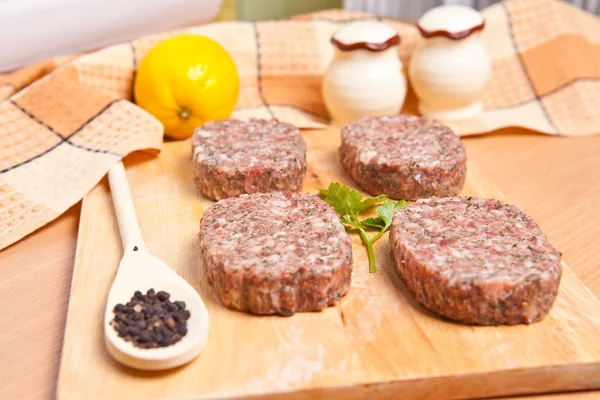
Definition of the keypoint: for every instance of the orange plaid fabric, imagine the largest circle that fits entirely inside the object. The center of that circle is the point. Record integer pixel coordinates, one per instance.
(65, 122)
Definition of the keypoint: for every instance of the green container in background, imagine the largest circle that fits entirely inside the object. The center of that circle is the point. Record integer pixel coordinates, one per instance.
(254, 10)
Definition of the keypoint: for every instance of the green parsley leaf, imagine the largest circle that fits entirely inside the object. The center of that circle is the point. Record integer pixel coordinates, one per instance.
(376, 223)
(368, 203)
(343, 200)
(346, 201)
(386, 211)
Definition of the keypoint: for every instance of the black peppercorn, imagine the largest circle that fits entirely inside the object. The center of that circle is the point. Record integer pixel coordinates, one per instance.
(119, 308)
(162, 296)
(180, 304)
(145, 337)
(151, 320)
(134, 331)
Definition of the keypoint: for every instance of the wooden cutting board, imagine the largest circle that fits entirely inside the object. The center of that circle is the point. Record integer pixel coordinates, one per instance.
(377, 343)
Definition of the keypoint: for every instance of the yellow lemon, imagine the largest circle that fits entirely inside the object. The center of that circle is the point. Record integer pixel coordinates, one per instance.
(186, 81)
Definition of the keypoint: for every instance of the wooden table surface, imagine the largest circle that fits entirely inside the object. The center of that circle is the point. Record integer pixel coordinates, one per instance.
(555, 180)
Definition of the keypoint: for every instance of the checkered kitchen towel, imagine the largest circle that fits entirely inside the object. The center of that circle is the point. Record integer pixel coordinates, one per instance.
(65, 122)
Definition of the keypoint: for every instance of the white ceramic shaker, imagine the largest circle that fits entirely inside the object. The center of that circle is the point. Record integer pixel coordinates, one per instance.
(366, 77)
(451, 67)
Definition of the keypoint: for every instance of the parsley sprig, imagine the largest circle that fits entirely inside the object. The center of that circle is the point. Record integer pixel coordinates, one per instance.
(348, 203)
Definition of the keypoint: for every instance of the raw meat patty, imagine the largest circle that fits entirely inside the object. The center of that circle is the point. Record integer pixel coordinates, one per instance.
(477, 261)
(276, 253)
(236, 156)
(405, 157)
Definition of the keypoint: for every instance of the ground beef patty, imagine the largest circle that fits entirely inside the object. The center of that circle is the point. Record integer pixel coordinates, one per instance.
(236, 156)
(405, 157)
(276, 253)
(477, 261)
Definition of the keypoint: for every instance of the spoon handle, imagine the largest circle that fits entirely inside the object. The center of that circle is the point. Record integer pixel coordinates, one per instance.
(131, 235)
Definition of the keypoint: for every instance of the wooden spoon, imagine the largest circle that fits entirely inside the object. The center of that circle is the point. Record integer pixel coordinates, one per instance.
(140, 270)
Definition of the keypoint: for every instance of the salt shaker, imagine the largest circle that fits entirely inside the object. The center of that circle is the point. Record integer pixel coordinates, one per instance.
(366, 77)
(451, 67)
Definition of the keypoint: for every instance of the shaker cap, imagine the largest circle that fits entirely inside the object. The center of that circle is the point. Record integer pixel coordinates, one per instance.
(368, 35)
(452, 21)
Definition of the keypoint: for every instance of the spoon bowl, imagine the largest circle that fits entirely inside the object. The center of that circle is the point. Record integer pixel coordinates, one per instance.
(140, 270)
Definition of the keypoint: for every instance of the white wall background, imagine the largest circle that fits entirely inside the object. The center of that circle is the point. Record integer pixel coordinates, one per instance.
(412, 9)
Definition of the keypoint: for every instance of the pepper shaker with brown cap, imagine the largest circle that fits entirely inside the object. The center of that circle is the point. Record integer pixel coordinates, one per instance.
(450, 69)
(366, 77)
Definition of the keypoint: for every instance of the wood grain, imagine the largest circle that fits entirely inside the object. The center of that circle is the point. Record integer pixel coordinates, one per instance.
(41, 263)
(35, 280)
(557, 181)
(595, 395)
(378, 341)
